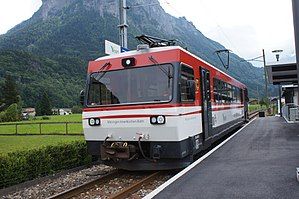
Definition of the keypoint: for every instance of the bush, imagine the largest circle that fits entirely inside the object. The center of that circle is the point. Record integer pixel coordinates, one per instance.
(2, 116)
(11, 114)
(45, 118)
(21, 166)
(76, 109)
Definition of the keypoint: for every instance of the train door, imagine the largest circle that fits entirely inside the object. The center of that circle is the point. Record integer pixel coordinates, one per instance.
(206, 104)
(245, 101)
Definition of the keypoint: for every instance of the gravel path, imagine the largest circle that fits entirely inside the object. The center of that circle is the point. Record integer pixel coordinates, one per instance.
(54, 185)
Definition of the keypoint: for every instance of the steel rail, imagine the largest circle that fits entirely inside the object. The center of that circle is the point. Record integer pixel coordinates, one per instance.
(135, 187)
(75, 191)
(253, 114)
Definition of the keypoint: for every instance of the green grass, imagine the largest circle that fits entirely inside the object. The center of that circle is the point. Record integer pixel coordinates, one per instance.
(60, 118)
(52, 118)
(255, 107)
(20, 143)
(26, 128)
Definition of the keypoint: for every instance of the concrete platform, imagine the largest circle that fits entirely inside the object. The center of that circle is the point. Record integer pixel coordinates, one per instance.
(259, 162)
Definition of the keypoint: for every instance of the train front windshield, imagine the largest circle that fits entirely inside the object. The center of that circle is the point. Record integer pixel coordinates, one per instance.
(152, 84)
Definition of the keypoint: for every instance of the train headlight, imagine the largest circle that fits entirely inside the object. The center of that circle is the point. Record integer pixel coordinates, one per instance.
(128, 62)
(160, 119)
(94, 121)
(153, 120)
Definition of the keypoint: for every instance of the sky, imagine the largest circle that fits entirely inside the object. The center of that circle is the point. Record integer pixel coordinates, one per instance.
(245, 27)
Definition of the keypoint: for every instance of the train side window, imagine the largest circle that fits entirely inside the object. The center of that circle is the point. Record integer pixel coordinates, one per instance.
(187, 76)
(226, 93)
(229, 93)
(216, 83)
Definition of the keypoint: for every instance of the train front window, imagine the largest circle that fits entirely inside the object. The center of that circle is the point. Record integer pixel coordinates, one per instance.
(151, 84)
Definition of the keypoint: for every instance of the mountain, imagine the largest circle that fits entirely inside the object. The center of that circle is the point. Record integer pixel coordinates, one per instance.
(50, 50)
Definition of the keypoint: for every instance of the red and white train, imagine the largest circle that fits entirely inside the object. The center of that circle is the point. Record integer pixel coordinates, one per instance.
(155, 108)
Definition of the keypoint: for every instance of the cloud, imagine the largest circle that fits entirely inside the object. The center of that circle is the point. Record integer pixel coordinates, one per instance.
(246, 27)
(13, 12)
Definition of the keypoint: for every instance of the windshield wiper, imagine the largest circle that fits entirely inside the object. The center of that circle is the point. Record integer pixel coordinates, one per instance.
(152, 59)
(106, 65)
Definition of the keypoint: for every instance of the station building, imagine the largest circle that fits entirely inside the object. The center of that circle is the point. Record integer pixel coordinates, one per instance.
(286, 76)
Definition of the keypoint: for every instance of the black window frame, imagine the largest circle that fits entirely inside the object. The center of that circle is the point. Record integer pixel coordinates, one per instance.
(137, 103)
(225, 93)
(191, 77)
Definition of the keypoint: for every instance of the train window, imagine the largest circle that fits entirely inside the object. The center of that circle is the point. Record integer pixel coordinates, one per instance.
(226, 93)
(187, 74)
(217, 91)
(152, 84)
(229, 93)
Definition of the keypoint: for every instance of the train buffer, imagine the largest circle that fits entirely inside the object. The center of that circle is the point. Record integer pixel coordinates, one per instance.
(260, 161)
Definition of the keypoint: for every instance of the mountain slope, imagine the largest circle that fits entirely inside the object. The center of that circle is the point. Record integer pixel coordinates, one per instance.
(68, 33)
(35, 74)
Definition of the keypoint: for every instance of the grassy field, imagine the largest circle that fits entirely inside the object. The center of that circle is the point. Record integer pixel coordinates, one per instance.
(52, 118)
(27, 128)
(20, 143)
(255, 107)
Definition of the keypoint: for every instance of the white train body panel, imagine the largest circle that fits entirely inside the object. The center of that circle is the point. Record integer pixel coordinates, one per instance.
(127, 125)
(227, 114)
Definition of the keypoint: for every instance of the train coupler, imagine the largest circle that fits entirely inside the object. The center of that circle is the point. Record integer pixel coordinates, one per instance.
(118, 150)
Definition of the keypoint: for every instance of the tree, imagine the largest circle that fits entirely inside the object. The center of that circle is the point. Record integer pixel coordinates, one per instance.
(44, 105)
(11, 114)
(2, 104)
(76, 109)
(10, 93)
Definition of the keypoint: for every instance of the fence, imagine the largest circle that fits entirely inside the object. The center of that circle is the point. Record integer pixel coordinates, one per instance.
(42, 128)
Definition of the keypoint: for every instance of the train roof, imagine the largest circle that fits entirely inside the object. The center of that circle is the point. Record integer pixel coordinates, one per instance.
(163, 49)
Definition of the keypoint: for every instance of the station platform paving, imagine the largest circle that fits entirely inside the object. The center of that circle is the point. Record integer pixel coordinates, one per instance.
(259, 162)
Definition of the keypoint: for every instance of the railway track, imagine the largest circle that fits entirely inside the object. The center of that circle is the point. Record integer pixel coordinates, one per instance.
(75, 191)
(136, 186)
(124, 192)
(91, 187)
(253, 114)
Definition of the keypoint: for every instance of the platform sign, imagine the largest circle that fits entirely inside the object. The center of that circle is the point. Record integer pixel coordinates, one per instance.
(112, 48)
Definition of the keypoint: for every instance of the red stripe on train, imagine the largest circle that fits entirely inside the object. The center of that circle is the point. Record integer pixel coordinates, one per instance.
(137, 107)
(141, 116)
(226, 108)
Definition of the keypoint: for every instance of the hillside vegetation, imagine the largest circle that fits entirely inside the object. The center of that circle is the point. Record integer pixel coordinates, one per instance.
(50, 51)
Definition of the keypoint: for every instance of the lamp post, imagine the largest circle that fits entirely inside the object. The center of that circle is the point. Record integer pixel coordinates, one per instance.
(266, 79)
(265, 71)
(277, 55)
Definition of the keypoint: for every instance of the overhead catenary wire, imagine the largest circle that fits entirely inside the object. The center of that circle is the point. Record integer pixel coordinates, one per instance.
(167, 3)
(219, 28)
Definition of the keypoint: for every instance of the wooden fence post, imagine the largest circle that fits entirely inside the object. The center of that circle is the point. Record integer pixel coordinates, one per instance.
(66, 128)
